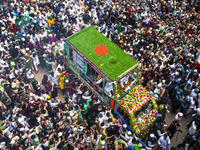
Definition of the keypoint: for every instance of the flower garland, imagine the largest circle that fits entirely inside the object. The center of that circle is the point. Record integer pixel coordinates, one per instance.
(133, 102)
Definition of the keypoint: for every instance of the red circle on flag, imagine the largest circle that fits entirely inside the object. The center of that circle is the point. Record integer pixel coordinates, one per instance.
(101, 50)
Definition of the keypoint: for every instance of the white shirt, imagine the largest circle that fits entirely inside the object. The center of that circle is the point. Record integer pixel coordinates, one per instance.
(164, 142)
(54, 79)
(22, 119)
(53, 105)
(192, 103)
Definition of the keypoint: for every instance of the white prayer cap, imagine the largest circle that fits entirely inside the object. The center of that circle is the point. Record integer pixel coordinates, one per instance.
(23, 39)
(140, 145)
(44, 55)
(163, 81)
(195, 70)
(124, 126)
(152, 135)
(34, 21)
(50, 34)
(172, 66)
(31, 76)
(196, 90)
(27, 49)
(71, 114)
(60, 134)
(152, 53)
(180, 114)
(159, 85)
(179, 69)
(176, 73)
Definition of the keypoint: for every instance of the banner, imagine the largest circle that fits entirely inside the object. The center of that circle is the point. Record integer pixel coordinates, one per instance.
(23, 21)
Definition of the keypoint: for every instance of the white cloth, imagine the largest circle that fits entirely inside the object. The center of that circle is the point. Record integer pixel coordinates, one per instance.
(54, 79)
(108, 88)
(192, 129)
(162, 142)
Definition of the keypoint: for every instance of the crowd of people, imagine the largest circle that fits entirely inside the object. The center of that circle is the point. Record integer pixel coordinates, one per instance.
(163, 36)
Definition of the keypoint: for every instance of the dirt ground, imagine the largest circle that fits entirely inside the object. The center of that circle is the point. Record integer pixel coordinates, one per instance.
(178, 137)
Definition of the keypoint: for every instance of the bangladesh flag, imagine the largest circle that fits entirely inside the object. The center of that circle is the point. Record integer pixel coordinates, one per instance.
(23, 21)
(103, 53)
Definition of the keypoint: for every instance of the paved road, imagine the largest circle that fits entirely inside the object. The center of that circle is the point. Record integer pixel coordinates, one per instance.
(177, 139)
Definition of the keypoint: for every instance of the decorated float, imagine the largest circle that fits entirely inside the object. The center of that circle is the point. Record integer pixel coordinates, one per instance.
(113, 75)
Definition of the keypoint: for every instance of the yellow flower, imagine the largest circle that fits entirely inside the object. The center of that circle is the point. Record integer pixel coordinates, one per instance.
(120, 33)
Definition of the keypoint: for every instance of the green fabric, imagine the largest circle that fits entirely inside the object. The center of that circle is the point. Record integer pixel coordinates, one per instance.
(185, 88)
(80, 116)
(52, 148)
(119, 28)
(45, 108)
(23, 21)
(85, 106)
(12, 64)
(2, 128)
(49, 67)
(36, 140)
(136, 147)
(120, 141)
(87, 39)
(26, 65)
(1, 88)
(48, 31)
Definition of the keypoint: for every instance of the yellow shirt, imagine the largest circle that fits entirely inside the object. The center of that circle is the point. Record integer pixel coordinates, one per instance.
(50, 22)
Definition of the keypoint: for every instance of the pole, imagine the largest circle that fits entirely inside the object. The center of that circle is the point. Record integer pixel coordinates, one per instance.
(177, 136)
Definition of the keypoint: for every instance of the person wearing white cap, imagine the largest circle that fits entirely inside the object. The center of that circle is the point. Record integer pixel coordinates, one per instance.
(123, 131)
(55, 104)
(178, 117)
(151, 141)
(128, 136)
(194, 92)
(157, 90)
(36, 62)
(193, 128)
(176, 73)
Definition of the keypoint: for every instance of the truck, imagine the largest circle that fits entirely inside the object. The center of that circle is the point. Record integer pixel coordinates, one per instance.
(113, 76)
